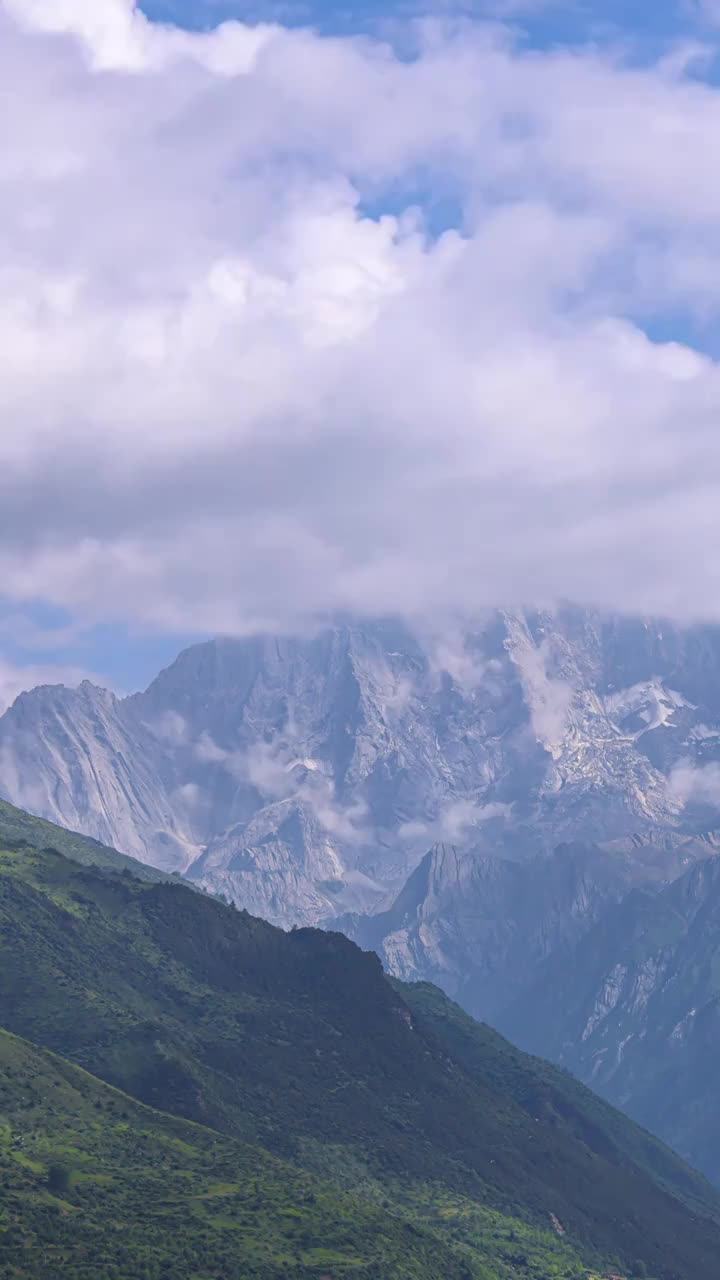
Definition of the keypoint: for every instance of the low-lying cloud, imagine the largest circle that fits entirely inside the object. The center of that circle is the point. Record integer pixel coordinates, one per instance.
(455, 824)
(698, 784)
(277, 772)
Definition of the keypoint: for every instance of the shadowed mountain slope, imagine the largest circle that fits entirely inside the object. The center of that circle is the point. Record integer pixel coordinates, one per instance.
(298, 1042)
(635, 1008)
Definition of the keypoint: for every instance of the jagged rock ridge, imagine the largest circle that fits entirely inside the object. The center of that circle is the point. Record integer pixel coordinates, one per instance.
(306, 777)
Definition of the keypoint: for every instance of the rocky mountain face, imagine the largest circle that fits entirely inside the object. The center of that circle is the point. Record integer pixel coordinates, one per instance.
(479, 925)
(307, 777)
(635, 1008)
(80, 758)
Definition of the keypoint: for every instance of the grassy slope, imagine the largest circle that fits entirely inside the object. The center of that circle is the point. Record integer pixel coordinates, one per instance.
(579, 1118)
(93, 1184)
(18, 827)
(298, 1042)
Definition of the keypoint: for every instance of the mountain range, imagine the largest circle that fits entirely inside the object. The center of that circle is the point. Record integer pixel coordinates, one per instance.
(308, 777)
(500, 811)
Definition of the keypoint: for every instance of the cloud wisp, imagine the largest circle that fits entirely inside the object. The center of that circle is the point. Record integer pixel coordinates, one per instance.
(455, 824)
(244, 380)
(277, 773)
(696, 784)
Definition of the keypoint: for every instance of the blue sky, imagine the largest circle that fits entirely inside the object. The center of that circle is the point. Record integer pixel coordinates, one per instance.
(316, 330)
(557, 22)
(122, 657)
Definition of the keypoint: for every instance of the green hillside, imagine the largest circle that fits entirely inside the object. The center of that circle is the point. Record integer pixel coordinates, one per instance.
(18, 827)
(300, 1044)
(94, 1184)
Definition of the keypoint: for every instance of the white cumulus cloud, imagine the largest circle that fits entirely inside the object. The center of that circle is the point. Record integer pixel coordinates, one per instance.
(244, 380)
